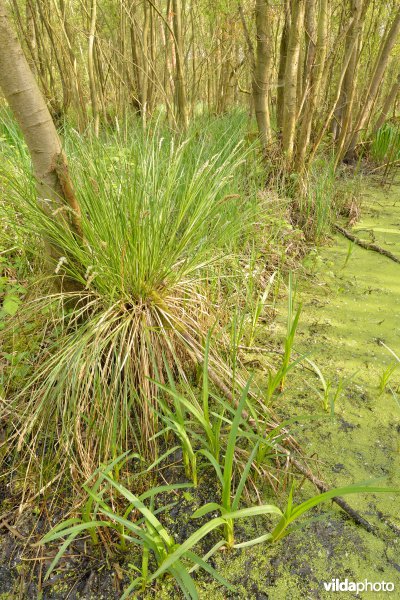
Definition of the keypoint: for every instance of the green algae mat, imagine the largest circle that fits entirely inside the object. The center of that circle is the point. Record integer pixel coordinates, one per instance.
(351, 305)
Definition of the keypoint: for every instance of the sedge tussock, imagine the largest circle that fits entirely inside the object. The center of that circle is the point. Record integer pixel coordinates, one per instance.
(157, 224)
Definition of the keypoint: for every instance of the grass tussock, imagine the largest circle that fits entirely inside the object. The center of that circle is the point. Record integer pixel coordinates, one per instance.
(159, 217)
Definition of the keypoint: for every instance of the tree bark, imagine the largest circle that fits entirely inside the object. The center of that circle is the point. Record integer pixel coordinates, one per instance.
(388, 103)
(310, 30)
(327, 119)
(92, 81)
(137, 96)
(371, 93)
(282, 67)
(180, 91)
(30, 110)
(315, 79)
(344, 112)
(292, 65)
(262, 70)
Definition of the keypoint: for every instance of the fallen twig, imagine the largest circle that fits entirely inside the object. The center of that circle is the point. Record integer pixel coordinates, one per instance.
(366, 245)
(12, 530)
(304, 470)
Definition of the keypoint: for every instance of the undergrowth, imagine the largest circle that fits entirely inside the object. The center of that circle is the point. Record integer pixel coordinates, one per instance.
(158, 216)
(182, 260)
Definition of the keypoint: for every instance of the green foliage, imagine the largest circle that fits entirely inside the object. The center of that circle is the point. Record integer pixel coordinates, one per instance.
(224, 470)
(316, 202)
(277, 379)
(294, 512)
(385, 145)
(388, 372)
(168, 224)
(211, 433)
(147, 532)
(386, 375)
(11, 293)
(103, 510)
(190, 420)
(330, 394)
(258, 308)
(158, 216)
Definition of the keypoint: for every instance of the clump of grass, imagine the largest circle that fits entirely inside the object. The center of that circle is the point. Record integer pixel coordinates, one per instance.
(276, 379)
(385, 145)
(157, 216)
(385, 376)
(314, 204)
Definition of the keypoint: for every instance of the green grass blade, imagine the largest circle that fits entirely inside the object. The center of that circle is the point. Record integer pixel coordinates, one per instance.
(207, 508)
(230, 447)
(188, 545)
(243, 479)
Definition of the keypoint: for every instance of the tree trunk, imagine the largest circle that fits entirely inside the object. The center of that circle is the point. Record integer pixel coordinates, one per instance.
(371, 93)
(344, 112)
(145, 62)
(169, 60)
(79, 95)
(292, 65)
(137, 100)
(92, 81)
(262, 70)
(387, 105)
(180, 92)
(30, 110)
(282, 67)
(310, 30)
(316, 73)
(327, 119)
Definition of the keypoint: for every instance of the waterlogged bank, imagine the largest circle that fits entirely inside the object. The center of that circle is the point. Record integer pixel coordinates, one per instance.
(351, 303)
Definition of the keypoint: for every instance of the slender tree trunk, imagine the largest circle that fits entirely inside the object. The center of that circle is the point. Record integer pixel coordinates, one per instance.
(282, 67)
(387, 105)
(151, 60)
(31, 36)
(327, 119)
(145, 62)
(91, 71)
(30, 110)
(64, 76)
(180, 91)
(262, 70)
(349, 82)
(310, 30)
(136, 64)
(371, 93)
(300, 74)
(292, 65)
(169, 59)
(79, 95)
(316, 75)
(344, 113)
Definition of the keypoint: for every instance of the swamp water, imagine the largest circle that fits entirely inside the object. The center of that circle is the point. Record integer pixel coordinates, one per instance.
(351, 303)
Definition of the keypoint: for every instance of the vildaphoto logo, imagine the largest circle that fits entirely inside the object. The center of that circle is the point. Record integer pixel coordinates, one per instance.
(336, 585)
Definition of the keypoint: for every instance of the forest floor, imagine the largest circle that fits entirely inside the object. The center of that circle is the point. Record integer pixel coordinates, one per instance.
(350, 300)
